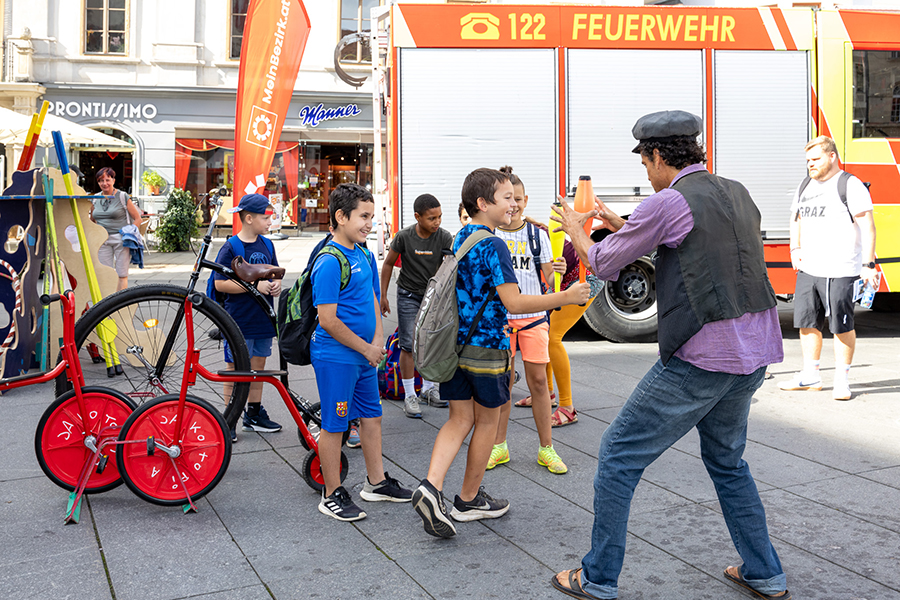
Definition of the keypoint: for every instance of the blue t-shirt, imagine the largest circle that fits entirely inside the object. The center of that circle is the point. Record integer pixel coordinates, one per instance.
(486, 265)
(355, 303)
(253, 322)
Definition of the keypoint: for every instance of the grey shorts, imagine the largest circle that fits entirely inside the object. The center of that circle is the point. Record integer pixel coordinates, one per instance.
(407, 309)
(816, 298)
(113, 254)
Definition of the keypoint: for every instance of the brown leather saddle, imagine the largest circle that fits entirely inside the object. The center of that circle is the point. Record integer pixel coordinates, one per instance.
(253, 273)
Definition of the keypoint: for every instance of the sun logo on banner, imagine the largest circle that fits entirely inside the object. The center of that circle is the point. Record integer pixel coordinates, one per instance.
(262, 124)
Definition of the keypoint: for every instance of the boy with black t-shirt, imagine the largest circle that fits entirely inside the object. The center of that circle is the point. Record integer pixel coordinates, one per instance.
(256, 218)
(421, 247)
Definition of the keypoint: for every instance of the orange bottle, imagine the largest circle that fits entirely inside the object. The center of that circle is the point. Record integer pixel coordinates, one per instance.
(584, 202)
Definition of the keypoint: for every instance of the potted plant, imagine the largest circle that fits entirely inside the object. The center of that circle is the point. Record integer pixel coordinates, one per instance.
(179, 223)
(153, 181)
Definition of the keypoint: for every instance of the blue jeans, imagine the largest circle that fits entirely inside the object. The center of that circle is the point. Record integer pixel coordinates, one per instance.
(665, 405)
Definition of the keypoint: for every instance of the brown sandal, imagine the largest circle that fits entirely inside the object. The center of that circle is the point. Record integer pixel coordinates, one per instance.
(564, 415)
(526, 402)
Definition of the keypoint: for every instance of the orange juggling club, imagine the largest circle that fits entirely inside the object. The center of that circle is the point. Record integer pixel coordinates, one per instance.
(584, 202)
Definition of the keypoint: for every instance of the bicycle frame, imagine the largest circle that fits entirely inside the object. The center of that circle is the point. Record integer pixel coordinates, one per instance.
(193, 368)
(202, 263)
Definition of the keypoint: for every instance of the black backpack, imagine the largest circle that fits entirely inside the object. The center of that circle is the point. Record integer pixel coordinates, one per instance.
(297, 317)
(842, 189)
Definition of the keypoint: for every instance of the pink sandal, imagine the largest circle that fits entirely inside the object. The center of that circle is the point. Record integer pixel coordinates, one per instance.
(562, 416)
(526, 402)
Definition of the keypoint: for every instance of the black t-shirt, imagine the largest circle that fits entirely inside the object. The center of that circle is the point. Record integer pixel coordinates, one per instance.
(421, 257)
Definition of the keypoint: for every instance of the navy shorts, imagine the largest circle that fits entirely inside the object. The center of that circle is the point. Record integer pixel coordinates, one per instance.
(346, 392)
(816, 298)
(407, 309)
(255, 347)
(482, 375)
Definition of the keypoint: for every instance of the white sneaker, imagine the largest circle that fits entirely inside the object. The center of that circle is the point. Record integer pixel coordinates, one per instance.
(411, 407)
(802, 381)
(841, 390)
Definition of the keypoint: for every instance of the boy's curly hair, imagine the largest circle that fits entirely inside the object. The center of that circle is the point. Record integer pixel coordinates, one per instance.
(345, 198)
(679, 151)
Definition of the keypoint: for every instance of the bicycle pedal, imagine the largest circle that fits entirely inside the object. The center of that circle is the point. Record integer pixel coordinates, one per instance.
(101, 465)
(151, 446)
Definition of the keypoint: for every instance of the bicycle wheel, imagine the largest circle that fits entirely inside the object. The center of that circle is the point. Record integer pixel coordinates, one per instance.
(202, 456)
(313, 422)
(312, 470)
(59, 441)
(145, 326)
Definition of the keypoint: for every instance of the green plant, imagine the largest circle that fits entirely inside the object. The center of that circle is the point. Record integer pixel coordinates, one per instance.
(179, 223)
(151, 178)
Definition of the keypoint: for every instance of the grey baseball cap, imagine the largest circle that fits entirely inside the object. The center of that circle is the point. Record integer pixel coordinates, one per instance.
(666, 124)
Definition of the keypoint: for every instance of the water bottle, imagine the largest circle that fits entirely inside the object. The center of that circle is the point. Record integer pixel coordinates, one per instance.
(869, 292)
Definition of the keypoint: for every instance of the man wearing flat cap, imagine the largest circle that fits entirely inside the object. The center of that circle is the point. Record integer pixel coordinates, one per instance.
(718, 331)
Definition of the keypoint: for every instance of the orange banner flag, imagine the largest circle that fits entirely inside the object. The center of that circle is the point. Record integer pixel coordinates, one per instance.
(275, 34)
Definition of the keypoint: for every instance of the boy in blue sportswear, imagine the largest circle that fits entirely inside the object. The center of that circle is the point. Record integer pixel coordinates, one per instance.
(480, 385)
(256, 218)
(346, 346)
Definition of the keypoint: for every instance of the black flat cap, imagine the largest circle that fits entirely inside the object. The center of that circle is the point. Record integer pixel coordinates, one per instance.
(666, 124)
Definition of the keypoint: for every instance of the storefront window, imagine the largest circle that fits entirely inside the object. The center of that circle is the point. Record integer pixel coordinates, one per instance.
(876, 81)
(301, 176)
(322, 168)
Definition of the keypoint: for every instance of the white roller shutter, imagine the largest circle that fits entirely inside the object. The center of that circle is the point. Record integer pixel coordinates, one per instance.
(608, 90)
(762, 123)
(462, 109)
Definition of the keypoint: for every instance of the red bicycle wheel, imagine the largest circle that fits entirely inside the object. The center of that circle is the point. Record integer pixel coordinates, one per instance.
(202, 456)
(312, 470)
(59, 441)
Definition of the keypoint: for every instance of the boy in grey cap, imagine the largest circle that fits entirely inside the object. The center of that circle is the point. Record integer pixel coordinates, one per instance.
(718, 331)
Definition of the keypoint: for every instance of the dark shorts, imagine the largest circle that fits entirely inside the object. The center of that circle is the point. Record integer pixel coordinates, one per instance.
(816, 298)
(482, 375)
(407, 309)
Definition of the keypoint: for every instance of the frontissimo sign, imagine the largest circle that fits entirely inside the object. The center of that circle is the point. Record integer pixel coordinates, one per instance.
(313, 115)
(104, 110)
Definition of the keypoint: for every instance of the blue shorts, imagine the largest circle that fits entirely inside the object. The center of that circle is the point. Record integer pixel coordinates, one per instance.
(482, 375)
(346, 392)
(255, 347)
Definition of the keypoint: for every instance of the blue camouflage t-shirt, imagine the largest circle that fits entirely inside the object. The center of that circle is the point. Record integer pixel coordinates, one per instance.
(486, 265)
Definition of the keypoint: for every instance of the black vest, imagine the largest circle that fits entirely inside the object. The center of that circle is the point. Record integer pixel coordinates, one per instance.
(718, 272)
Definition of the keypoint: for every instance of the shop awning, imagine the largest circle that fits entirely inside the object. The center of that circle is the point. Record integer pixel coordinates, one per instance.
(14, 129)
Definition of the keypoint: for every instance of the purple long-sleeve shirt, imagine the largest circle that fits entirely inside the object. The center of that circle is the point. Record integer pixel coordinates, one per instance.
(739, 346)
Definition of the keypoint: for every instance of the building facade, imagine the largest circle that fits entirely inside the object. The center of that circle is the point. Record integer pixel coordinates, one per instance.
(163, 75)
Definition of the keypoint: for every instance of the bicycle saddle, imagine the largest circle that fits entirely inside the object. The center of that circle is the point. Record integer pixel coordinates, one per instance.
(253, 273)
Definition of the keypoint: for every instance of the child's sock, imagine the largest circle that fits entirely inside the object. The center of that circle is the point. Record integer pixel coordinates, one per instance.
(811, 369)
(409, 387)
(253, 408)
(841, 373)
(427, 385)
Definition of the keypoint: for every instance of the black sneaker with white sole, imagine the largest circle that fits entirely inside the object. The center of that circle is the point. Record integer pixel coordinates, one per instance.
(429, 504)
(388, 490)
(257, 419)
(340, 506)
(482, 506)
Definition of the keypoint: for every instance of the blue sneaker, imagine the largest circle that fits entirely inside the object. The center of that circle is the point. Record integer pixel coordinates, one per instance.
(257, 419)
(353, 441)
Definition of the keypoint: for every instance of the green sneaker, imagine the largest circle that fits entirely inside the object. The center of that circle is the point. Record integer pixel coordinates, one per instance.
(547, 457)
(499, 456)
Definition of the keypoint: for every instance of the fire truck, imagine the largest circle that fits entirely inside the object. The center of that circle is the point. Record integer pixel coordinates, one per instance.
(554, 92)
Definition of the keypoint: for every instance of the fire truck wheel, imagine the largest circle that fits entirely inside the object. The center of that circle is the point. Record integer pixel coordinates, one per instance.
(625, 311)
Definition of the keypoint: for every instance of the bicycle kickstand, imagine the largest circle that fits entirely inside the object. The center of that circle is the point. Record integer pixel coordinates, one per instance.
(190, 506)
(73, 508)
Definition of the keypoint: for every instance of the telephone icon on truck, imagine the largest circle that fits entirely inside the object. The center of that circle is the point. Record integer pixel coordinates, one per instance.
(479, 26)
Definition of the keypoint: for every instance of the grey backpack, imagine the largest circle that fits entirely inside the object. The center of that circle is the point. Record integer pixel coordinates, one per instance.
(437, 323)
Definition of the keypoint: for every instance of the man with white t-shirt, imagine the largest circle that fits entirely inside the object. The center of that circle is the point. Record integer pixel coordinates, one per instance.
(832, 246)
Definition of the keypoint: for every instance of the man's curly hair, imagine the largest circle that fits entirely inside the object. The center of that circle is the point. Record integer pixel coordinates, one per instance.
(679, 151)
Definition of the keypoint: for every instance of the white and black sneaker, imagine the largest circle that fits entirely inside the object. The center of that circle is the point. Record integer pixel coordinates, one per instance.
(388, 490)
(340, 506)
(429, 504)
(482, 506)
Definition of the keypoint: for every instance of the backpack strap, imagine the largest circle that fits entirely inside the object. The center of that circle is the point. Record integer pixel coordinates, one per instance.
(342, 260)
(534, 242)
(843, 178)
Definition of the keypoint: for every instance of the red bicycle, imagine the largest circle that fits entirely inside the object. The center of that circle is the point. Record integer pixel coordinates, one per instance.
(78, 432)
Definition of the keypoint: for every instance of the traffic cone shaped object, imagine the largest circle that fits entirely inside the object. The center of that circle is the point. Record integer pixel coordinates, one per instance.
(584, 202)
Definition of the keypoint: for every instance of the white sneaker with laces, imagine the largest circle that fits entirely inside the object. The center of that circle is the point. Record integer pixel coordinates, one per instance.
(841, 390)
(802, 381)
(411, 407)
